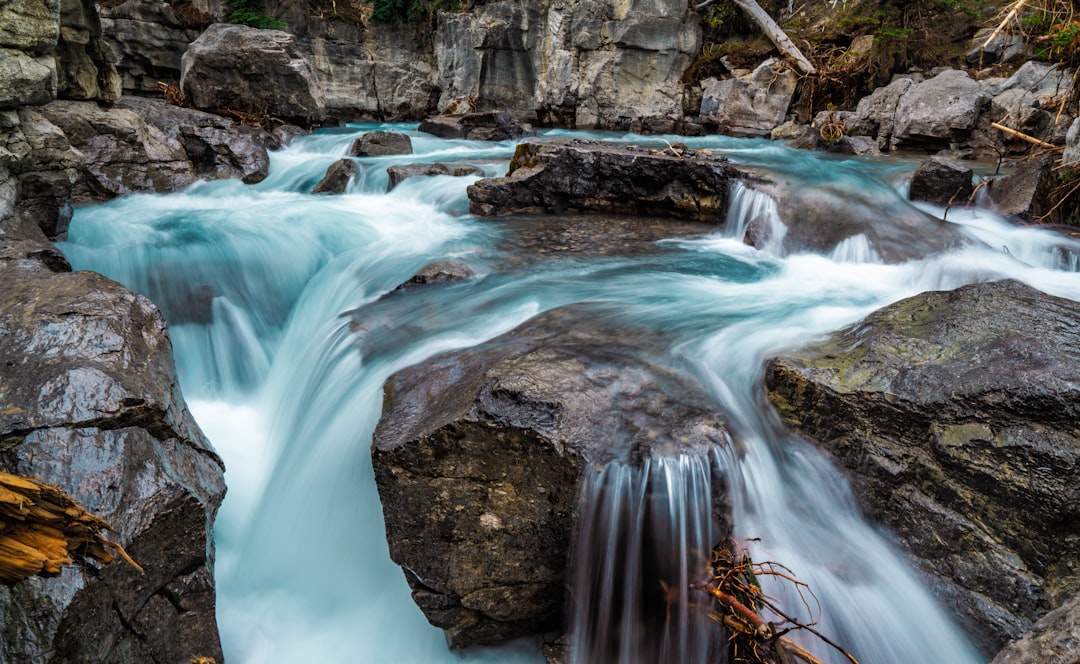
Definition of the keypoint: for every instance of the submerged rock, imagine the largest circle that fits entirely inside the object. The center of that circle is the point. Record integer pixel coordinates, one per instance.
(89, 402)
(956, 414)
(399, 174)
(337, 178)
(586, 176)
(479, 454)
(439, 272)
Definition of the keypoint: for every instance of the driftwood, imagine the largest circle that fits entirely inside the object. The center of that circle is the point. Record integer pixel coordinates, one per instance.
(1024, 137)
(773, 31)
(42, 528)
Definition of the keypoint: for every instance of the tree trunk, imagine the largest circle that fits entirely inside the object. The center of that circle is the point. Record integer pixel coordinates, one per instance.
(772, 31)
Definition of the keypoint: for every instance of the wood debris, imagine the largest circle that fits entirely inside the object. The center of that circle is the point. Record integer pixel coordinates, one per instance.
(42, 529)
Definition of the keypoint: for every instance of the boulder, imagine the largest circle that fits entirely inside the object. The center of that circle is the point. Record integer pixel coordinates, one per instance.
(942, 181)
(875, 115)
(217, 147)
(254, 71)
(479, 454)
(487, 126)
(1055, 638)
(1072, 146)
(586, 176)
(1026, 192)
(1003, 48)
(30, 25)
(286, 133)
(337, 178)
(379, 143)
(439, 272)
(399, 174)
(937, 113)
(955, 413)
(25, 79)
(1028, 101)
(864, 146)
(750, 105)
(123, 154)
(89, 402)
(46, 168)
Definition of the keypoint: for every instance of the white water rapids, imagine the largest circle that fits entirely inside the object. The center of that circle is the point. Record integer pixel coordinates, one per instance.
(259, 284)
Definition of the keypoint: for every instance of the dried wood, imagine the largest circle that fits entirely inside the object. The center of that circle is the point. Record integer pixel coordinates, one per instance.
(1024, 137)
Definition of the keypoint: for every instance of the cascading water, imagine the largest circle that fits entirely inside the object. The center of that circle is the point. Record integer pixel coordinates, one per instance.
(283, 344)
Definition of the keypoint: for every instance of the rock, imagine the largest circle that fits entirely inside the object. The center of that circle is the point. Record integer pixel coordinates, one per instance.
(479, 454)
(750, 105)
(149, 39)
(1026, 101)
(585, 176)
(253, 71)
(337, 178)
(875, 115)
(46, 168)
(788, 131)
(856, 145)
(1054, 638)
(85, 63)
(439, 272)
(30, 25)
(286, 133)
(955, 414)
(379, 143)
(217, 147)
(25, 80)
(399, 174)
(1003, 48)
(89, 402)
(942, 181)
(1025, 193)
(123, 154)
(938, 112)
(488, 126)
(1072, 145)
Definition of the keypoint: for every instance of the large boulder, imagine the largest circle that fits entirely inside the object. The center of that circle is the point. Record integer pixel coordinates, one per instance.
(938, 113)
(47, 168)
(30, 25)
(1029, 102)
(942, 181)
(337, 177)
(487, 126)
(585, 176)
(479, 455)
(380, 143)
(750, 105)
(955, 413)
(1026, 193)
(89, 402)
(1055, 638)
(254, 71)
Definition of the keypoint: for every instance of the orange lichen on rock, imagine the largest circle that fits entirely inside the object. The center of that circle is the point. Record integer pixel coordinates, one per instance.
(41, 528)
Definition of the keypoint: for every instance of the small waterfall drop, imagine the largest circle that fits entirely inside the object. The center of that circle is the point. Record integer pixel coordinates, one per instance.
(755, 212)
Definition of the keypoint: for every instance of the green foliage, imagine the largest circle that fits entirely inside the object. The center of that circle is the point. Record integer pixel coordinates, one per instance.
(714, 16)
(417, 13)
(251, 13)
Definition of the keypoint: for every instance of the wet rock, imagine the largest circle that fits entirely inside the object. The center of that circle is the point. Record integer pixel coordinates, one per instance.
(942, 181)
(85, 63)
(1054, 638)
(486, 126)
(584, 176)
(337, 178)
(439, 272)
(45, 167)
(379, 143)
(1025, 193)
(255, 71)
(750, 105)
(479, 454)
(123, 154)
(149, 39)
(937, 112)
(217, 147)
(955, 412)
(399, 174)
(856, 145)
(25, 79)
(89, 402)
(286, 133)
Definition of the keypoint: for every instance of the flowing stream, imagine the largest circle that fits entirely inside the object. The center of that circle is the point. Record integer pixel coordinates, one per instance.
(265, 289)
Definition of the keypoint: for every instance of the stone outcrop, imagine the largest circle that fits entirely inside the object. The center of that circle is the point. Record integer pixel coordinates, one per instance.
(89, 402)
(955, 413)
(485, 126)
(942, 181)
(750, 105)
(479, 454)
(586, 176)
(379, 143)
(399, 174)
(1055, 638)
(254, 71)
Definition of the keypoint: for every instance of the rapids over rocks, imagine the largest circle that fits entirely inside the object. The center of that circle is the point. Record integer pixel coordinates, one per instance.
(283, 344)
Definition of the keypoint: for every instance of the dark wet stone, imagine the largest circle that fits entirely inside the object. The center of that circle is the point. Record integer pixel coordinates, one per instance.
(942, 181)
(337, 178)
(399, 174)
(482, 126)
(379, 143)
(439, 272)
(1026, 192)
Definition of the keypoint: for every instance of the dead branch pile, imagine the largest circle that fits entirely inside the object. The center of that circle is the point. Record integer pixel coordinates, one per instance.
(741, 601)
(42, 529)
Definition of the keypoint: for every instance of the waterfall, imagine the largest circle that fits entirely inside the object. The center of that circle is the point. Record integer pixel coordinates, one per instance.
(283, 341)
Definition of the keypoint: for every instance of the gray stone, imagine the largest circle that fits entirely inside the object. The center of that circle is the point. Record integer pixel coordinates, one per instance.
(439, 272)
(26, 80)
(938, 112)
(85, 63)
(148, 42)
(955, 414)
(337, 178)
(1028, 101)
(1004, 48)
(583, 176)
(479, 454)
(286, 133)
(875, 115)
(47, 169)
(1026, 192)
(1055, 638)
(378, 143)
(942, 181)
(1072, 145)
(399, 174)
(750, 105)
(856, 145)
(250, 70)
(30, 25)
